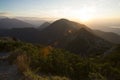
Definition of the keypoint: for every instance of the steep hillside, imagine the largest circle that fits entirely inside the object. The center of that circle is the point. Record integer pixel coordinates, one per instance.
(86, 43)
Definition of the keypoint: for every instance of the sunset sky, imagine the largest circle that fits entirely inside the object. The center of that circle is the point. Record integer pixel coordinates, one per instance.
(83, 10)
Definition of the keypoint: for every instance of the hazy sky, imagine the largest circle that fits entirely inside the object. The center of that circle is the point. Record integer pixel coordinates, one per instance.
(74, 9)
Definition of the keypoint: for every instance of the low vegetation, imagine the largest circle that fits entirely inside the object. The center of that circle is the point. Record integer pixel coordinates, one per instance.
(38, 62)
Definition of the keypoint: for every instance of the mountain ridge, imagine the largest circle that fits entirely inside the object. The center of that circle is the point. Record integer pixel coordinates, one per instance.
(65, 34)
(8, 23)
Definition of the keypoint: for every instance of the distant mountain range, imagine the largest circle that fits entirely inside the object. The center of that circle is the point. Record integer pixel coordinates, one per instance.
(109, 36)
(2, 17)
(65, 34)
(108, 29)
(115, 30)
(7, 23)
(32, 20)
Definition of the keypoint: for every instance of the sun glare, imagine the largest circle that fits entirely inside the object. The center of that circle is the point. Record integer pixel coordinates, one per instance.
(85, 14)
(84, 18)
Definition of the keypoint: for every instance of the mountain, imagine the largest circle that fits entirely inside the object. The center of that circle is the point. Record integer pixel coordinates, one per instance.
(86, 42)
(114, 29)
(54, 32)
(44, 25)
(63, 33)
(8, 23)
(58, 30)
(74, 37)
(109, 36)
(33, 20)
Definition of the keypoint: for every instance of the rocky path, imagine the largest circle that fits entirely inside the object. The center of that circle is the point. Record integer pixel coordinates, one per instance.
(7, 71)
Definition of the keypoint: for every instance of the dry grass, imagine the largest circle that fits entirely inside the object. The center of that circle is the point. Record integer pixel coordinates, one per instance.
(22, 62)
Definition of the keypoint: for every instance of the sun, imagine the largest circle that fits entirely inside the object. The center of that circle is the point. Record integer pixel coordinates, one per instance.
(85, 18)
(85, 14)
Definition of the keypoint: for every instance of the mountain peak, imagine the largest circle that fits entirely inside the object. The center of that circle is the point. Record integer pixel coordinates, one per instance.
(63, 21)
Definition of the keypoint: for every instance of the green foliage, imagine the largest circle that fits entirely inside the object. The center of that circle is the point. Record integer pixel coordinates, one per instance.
(6, 46)
(45, 63)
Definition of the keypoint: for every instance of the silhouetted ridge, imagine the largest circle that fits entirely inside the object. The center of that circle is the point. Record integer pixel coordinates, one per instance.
(62, 20)
(61, 23)
(8, 23)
